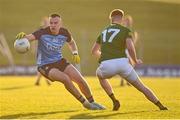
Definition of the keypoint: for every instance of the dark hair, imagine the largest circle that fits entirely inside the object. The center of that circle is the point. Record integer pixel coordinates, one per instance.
(54, 15)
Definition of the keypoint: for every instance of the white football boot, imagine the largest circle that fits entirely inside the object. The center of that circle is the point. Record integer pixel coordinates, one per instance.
(90, 106)
(101, 107)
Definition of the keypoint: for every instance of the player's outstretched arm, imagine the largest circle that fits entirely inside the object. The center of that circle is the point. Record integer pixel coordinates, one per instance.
(96, 50)
(30, 37)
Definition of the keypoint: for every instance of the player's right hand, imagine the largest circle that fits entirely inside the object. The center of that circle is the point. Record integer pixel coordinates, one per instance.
(20, 35)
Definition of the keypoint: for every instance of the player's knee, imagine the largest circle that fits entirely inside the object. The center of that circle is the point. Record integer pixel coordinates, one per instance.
(99, 73)
(132, 77)
(67, 80)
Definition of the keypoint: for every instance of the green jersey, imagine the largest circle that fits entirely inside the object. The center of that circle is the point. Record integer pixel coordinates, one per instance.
(113, 42)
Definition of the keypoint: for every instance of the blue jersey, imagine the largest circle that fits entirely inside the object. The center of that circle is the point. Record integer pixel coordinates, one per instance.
(49, 45)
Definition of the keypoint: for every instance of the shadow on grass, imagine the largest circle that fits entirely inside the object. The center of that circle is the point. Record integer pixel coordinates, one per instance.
(104, 114)
(33, 115)
(17, 87)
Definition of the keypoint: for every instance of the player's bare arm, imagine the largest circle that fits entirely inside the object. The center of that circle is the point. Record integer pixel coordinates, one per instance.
(30, 37)
(73, 47)
(132, 51)
(96, 50)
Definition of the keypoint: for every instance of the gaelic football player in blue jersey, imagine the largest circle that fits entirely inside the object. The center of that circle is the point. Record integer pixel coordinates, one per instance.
(54, 66)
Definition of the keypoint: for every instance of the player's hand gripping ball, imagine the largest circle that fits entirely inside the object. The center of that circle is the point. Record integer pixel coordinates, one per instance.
(22, 45)
(20, 35)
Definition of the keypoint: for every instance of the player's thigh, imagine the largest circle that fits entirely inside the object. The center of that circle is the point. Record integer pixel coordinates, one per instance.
(73, 73)
(110, 68)
(57, 75)
(106, 69)
(130, 75)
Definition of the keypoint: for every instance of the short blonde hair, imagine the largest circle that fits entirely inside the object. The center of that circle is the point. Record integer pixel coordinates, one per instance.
(116, 12)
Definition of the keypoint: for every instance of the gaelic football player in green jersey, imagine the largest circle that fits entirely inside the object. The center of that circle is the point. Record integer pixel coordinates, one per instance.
(110, 48)
(128, 22)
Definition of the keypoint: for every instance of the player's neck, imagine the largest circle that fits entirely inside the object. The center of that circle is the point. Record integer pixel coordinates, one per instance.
(116, 22)
(55, 32)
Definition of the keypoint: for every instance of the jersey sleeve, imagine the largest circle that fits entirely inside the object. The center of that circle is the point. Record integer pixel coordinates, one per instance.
(37, 34)
(98, 39)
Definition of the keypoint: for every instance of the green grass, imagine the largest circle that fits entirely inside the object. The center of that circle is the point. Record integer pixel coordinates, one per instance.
(19, 98)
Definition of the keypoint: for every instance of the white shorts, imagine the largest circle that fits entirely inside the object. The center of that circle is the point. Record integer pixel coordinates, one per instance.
(119, 66)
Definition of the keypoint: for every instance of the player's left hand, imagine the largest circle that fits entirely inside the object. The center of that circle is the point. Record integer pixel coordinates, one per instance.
(139, 61)
(76, 58)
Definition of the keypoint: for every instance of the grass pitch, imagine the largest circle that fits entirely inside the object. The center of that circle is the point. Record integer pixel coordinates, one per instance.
(19, 98)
